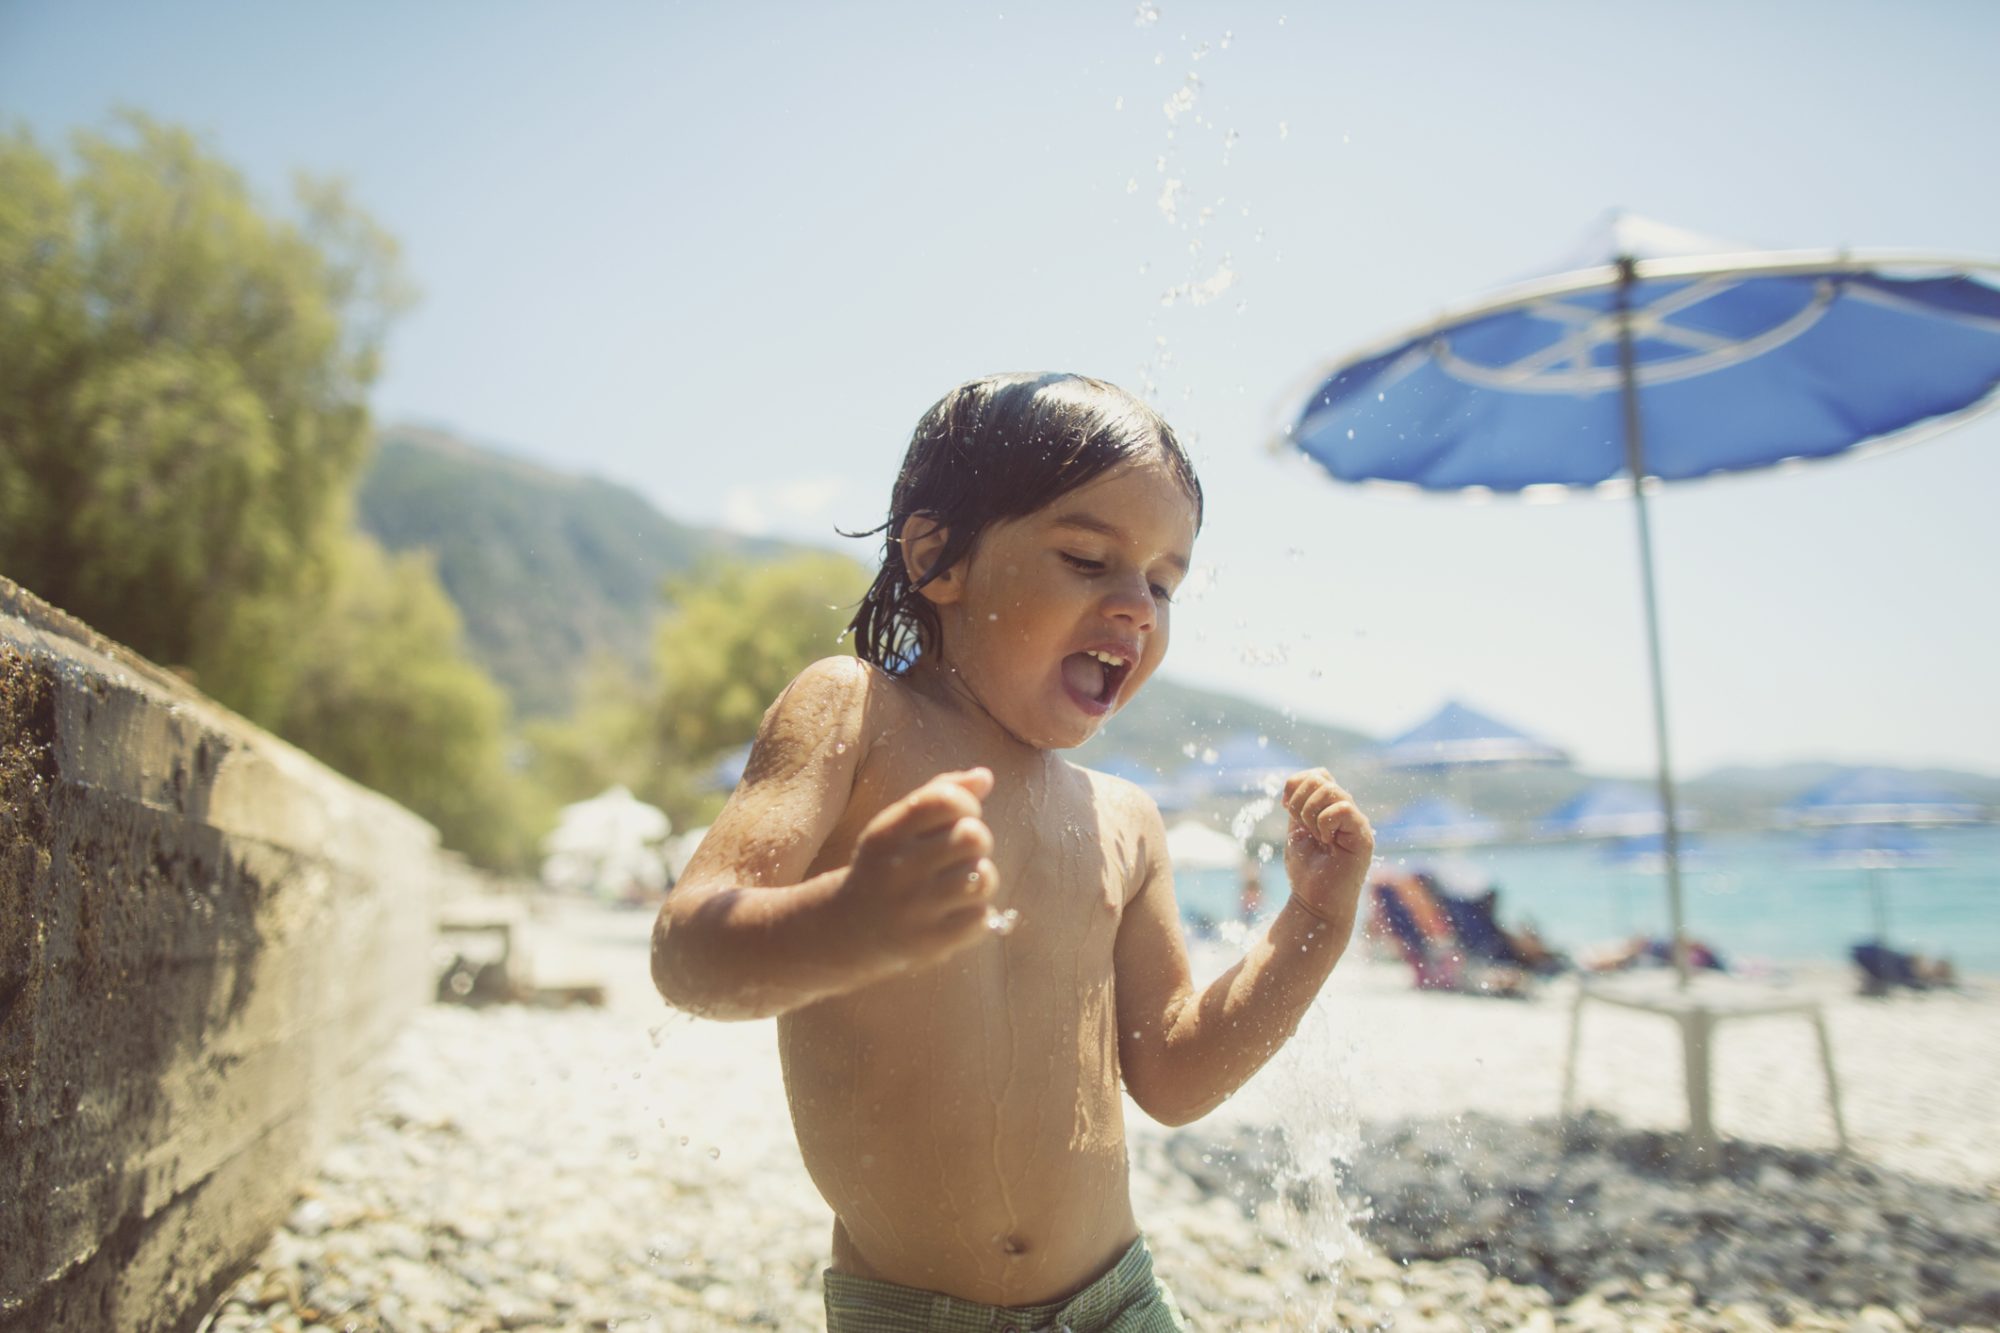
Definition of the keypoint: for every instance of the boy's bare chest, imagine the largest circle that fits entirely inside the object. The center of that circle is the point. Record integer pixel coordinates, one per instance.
(1065, 860)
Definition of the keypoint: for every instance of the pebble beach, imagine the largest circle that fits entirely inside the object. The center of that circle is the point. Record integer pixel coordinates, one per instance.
(1400, 1166)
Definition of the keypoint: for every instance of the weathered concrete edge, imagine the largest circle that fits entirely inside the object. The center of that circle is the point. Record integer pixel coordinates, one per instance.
(205, 938)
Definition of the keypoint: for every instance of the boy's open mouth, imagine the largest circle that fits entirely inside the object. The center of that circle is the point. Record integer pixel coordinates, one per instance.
(1095, 675)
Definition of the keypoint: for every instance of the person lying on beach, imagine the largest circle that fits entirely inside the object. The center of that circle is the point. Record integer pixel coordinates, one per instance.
(1651, 951)
(968, 941)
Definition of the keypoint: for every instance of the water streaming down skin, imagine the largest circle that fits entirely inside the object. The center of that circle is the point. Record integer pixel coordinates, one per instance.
(949, 1204)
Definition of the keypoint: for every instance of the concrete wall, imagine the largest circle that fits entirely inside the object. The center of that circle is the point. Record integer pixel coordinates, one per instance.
(205, 937)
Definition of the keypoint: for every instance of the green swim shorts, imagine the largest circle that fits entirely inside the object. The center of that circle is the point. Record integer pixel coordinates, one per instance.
(1128, 1299)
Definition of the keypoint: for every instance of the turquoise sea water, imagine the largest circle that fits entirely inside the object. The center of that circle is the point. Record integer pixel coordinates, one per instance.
(1753, 896)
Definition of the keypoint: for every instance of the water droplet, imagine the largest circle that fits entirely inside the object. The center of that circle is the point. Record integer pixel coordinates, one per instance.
(840, 747)
(1002, 923)
(715, 1154)
(684, 1140)
(1146, 15)
(1118, 105)
(1284, 129)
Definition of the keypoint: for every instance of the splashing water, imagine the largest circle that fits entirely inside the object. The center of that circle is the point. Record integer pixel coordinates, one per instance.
(1311, 1096)
(1245, 821)
(1002, 923)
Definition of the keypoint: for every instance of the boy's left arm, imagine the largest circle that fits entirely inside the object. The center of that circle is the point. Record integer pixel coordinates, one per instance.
(1181, 1053)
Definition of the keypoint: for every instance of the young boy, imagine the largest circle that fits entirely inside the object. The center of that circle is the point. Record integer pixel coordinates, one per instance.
(969, 942)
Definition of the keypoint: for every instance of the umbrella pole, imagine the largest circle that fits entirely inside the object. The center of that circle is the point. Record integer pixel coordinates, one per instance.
(1880, 904)
(1635, 461)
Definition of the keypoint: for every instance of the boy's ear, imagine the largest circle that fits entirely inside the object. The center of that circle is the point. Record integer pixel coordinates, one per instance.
(923, 539)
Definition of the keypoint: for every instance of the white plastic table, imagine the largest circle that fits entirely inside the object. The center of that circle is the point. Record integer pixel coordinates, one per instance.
(1706, 1004)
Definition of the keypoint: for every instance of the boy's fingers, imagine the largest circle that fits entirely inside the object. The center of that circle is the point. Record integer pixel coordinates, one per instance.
(1303, 787)
(1300, 779)
(936, 804)
(1321, 800)
(965, 884)
(1330, 821)
(978, 781)
(969, 840)
(946, 848)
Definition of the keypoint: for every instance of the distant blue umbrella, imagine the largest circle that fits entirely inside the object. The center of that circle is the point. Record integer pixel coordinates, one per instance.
(1873, 848)
(728, 770)
(1878, 796)
(1167, 794)
(1244, 763)
(1456, 736)
(1608, 810)
(1662, 355)
(1647, 851)
(1126, 767)
(1435, 821)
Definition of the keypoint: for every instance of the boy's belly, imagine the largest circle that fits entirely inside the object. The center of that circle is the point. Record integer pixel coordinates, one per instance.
(967, 1130)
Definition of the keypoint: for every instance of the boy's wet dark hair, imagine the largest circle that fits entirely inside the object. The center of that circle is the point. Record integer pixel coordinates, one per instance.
(993, 449)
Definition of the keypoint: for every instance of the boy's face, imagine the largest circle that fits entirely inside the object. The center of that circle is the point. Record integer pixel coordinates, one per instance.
(1056, 619)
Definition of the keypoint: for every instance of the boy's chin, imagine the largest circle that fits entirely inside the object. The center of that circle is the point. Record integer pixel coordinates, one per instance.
(1075, 732)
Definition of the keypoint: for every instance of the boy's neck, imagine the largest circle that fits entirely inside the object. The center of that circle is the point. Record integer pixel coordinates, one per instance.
(934, 677)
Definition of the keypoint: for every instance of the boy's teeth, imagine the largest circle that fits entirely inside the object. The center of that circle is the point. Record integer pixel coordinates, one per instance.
(1109, 659)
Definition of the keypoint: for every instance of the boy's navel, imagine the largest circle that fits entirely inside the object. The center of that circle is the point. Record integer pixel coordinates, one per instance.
(1012, 1246)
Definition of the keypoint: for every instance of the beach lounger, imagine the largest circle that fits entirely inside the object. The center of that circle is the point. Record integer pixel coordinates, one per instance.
(1436, 968)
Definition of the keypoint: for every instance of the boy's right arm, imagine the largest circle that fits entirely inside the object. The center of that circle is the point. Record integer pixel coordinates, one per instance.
(746, 934)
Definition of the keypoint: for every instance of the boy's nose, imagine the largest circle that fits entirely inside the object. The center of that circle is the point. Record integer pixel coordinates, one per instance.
(1131, 601)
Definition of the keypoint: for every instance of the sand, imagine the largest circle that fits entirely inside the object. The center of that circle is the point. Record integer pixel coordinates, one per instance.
(627, 1167)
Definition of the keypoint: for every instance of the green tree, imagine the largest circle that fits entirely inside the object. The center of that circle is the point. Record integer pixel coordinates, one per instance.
(183, 398)
(385, 695)
(183, 417)
(737, 633)
(606, 739)
(736, 636)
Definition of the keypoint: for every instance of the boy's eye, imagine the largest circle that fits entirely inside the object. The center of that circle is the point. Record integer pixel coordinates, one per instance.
(1163, 594)
(1078, 562)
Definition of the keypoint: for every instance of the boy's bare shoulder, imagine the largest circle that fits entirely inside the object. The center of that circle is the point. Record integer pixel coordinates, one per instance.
(828, 704)
(1131, 810)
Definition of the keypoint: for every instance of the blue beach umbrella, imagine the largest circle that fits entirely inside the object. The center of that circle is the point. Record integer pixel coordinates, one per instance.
(1168, 795)
(1609, 810)
(1878, 796)
(1872, 849)
(1435, 821)
(1661, 356)
(727, 771)
(1456, 737)
(1244, 763)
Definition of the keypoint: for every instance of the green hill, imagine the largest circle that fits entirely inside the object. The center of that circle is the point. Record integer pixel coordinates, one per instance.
(548, 570)
(551, 571)
(1170, 723)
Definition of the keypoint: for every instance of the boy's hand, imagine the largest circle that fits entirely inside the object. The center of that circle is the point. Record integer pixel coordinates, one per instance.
(1329, 850)
(923, 874)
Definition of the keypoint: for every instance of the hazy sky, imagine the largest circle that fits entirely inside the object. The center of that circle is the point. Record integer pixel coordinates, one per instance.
(727, 255)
